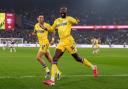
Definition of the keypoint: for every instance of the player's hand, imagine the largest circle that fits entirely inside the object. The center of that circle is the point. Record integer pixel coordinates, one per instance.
(52, 41)
(77, 20)
(43, 27)
(33, 34)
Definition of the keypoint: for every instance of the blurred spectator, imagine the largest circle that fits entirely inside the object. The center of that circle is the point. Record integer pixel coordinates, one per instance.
(87, 17)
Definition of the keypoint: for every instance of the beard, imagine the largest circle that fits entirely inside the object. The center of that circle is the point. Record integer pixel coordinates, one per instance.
(63, 15)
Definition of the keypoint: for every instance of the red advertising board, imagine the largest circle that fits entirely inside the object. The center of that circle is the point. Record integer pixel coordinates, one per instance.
(9, 21)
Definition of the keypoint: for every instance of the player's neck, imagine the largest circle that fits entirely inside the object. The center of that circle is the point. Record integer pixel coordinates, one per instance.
(41, 23)
(64, 17)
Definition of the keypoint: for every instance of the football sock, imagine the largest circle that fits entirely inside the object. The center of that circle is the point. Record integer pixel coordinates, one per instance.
(45, 67)
(53, 71)
(89, 64)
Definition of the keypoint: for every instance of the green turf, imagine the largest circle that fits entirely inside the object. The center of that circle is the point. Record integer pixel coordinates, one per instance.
(15, 66)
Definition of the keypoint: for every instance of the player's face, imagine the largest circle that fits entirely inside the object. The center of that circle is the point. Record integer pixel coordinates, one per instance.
(63, 12)
(40, 19)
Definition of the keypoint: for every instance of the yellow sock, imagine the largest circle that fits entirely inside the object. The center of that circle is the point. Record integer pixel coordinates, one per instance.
(46, 69)
(53, 71)
(89, 64)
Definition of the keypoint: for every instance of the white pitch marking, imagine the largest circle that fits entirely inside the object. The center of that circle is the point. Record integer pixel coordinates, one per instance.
(28, 76)
(98, 75)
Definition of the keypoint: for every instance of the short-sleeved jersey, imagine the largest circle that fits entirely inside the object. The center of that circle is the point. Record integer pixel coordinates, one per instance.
(42, 34)
(95, 41)
(64, 26)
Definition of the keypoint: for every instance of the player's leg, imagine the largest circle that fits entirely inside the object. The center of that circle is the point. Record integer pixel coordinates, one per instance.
(94, 49)
(58, 54)
(11, 49)
(82, 60)
(97, 48)
(4, 47)
(49, 57)
(85, 62)
(73, 51)
(14, 49)
(42, 62)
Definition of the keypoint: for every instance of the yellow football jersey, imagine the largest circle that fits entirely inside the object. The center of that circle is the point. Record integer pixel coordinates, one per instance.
(96, 41)
(64, 26)
(42, 34)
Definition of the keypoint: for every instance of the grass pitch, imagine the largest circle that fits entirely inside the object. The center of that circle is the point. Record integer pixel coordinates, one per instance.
(21, 70)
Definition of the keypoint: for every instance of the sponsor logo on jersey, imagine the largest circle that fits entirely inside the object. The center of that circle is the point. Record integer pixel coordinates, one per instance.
(62, 24)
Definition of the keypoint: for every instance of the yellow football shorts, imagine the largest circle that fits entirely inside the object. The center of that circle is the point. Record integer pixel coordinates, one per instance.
(44, 48)
(67, 44)
(96, 46)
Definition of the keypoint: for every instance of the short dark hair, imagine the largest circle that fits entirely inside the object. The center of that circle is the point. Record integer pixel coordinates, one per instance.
(63, 9)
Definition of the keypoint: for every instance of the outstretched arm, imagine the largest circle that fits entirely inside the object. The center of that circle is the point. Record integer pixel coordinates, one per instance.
(53, 27)
(74, 20)
(53, 38)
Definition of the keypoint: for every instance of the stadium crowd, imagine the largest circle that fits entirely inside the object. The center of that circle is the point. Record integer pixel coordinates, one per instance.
(87, 17)
(81, 36)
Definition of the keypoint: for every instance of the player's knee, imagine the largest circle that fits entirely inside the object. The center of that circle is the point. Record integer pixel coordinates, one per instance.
(57, 55)
(55, 59)
(38, 58)
(77, 57)
(49, 58)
